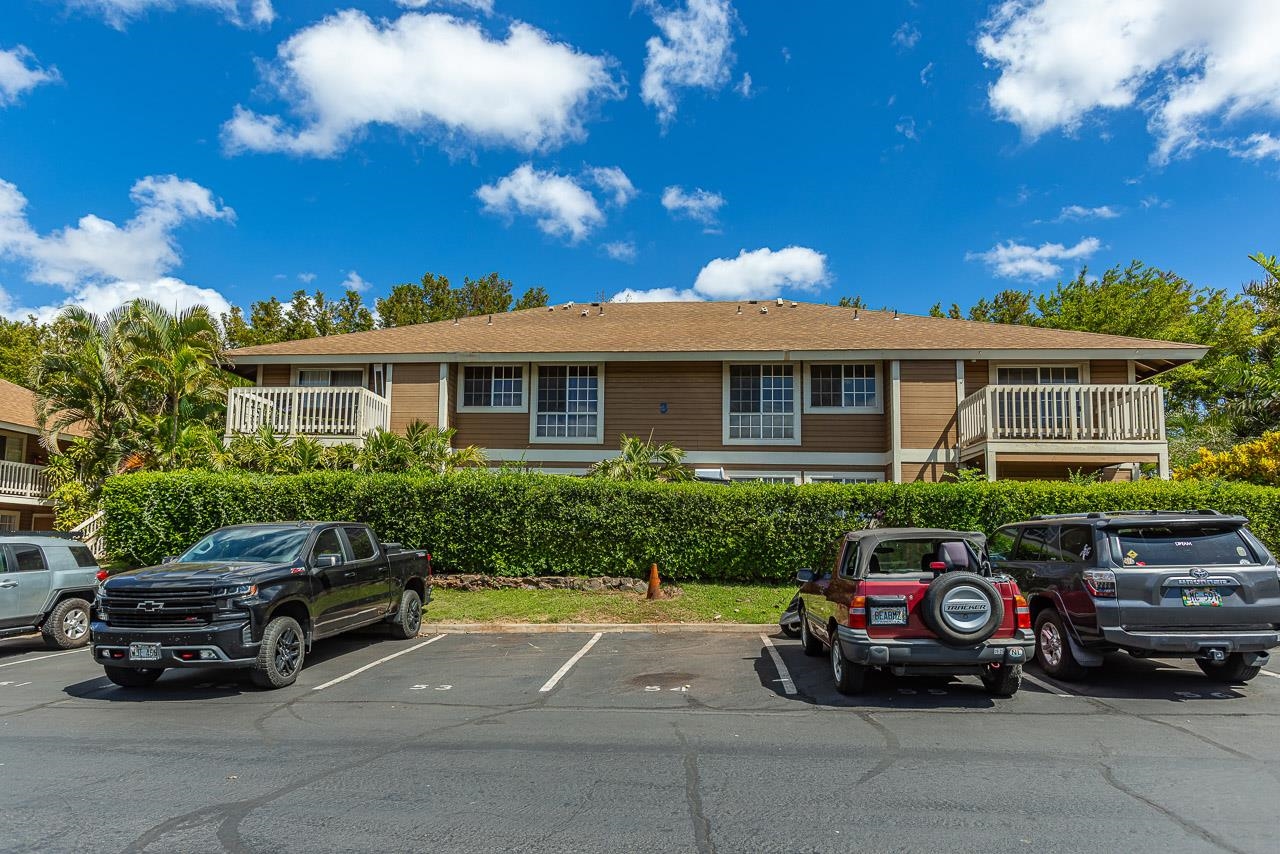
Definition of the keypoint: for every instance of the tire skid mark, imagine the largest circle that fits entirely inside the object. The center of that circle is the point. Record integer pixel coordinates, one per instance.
(893, 747)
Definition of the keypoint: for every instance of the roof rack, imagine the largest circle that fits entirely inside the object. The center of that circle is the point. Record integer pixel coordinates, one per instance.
(1113, 514)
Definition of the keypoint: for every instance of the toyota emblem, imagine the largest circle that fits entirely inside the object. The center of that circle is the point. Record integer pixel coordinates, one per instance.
(1199, 572)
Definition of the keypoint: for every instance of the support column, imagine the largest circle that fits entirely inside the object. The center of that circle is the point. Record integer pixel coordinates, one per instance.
(895, 400)
(442, 415)
(991, 463)
(1163, 464)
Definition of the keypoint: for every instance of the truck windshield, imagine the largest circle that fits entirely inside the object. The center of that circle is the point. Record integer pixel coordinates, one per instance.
(254, 544)
(1178, 545)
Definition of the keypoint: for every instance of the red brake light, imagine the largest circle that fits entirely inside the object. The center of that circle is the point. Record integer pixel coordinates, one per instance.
(937, 566)
(858, 612)
(1101, 583)
(101, 575)
(1022, 612)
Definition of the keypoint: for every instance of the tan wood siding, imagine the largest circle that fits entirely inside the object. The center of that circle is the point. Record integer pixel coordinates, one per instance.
(976, 376)
(928, 395)
(845, 433)
(493, 430)
(1109, 372)
(277, 375)
(415, 394)
(925, 472)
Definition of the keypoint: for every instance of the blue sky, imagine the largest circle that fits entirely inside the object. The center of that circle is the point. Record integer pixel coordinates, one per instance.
(227, 150)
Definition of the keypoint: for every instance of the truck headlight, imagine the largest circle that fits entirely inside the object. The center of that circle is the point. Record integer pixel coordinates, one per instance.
(236, 591)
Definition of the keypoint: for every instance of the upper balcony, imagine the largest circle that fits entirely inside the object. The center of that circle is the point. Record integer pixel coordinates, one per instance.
(23, 481)
(1044, 415)
(331, 414)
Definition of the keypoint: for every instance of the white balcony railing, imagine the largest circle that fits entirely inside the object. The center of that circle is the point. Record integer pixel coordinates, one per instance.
(23, 480)
(342, 413)
(1063, 413)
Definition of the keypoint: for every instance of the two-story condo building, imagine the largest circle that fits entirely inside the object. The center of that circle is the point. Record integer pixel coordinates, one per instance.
(24, 486)
(777, 390)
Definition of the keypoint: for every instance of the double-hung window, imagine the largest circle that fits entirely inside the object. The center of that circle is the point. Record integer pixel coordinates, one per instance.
(844, 388)
(326, 378)
(493, 387)
(568, 404)
(761, 404)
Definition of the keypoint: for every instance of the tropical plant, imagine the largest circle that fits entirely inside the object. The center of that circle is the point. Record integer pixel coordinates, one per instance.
(423, 447)
(643, 460)
(1257, 461)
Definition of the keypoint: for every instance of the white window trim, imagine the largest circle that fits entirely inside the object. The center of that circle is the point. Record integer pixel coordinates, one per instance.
(363, 369)
(877, 409)
(826, 476)
(796, 406)
(18, 439)
(748, 476)
(535, 439)
(993, 369)
(524, 386)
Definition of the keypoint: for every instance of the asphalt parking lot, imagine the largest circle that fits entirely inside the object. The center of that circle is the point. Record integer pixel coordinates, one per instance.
(626, 741)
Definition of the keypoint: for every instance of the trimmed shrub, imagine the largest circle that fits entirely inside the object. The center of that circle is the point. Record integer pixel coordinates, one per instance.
(533, 524)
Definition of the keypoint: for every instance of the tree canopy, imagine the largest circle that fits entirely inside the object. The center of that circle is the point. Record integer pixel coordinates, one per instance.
(434, 298)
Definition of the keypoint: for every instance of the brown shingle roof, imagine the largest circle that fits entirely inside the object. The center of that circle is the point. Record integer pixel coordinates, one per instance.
(18, 406)
(694, 327)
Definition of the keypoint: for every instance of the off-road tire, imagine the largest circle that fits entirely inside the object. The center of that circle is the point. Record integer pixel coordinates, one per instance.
(850, 678)
(133, 677)
(1233, 670)
(409, 616)
(811, 645)
(931, 608)
(1002, 681)
(67, 626)
(281, 654)
(1053, 648)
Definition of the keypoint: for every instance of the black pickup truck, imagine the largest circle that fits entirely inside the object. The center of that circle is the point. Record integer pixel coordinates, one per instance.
(255, 597)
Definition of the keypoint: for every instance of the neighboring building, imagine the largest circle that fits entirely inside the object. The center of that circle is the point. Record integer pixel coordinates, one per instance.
(24, 485)
(775, 390)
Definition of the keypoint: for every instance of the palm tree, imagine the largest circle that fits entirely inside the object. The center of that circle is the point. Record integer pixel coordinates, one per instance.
(82, 381)
(421, 448)
(643, 460)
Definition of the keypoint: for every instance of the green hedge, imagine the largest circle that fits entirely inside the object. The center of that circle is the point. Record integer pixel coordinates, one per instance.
(523, 524)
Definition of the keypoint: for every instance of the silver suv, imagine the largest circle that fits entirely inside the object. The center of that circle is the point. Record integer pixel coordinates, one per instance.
(46, 583)
(1194, 584)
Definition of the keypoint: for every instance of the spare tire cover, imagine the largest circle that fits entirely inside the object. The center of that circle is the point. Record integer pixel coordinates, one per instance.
(962, 608)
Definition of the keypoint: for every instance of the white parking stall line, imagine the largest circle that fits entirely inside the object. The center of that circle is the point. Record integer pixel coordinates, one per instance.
(788, 686)
(568, 665)
(373, 664)
(1051, 688)
(1269, 673)
(40, 658)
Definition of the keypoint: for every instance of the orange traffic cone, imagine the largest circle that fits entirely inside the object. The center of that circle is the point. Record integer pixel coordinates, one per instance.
(655, 591)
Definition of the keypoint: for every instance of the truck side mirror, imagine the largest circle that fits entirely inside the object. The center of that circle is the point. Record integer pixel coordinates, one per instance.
(326, 561)
(805, 576)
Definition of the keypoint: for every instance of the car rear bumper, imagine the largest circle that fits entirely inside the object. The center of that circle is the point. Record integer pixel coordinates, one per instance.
(1189, 643)
(861, 648)
(222, 645)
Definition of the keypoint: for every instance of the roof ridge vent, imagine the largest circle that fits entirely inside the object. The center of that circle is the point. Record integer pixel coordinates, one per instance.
(764, 309)
(585, 312)
(779, 302)
(490, 323)
(739, 309)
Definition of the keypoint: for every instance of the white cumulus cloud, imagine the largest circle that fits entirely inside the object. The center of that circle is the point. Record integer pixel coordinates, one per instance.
(614, 182)
(559, 203)
(1013, 260)
(701, 205)
(485, 6)
(118, 13)
(694, 51)
(1071, 212)
(354, 282)
(431, 74)
(100, 264)
(621, 250)
(1191, 66)
(19, 72)
(759, 274)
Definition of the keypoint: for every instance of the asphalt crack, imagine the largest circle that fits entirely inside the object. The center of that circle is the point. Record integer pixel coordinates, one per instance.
(891, 744)
(693, 797)
(1108, 774)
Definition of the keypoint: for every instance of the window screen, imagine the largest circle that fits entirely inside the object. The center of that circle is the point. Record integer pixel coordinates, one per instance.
(761, 402)
(568, 402)
(845, 386)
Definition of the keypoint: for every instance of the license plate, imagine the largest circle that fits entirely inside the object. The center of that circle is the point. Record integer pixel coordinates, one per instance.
(888, 616)
(144, 652)
(1201, 597)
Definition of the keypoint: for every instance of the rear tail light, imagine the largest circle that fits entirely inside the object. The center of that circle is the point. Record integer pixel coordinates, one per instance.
(1101, 583)
(101, 575)
(858, 612)
(1022, 612)
(937, 566)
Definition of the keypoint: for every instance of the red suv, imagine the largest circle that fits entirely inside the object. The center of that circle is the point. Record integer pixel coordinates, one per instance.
(916, 600)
